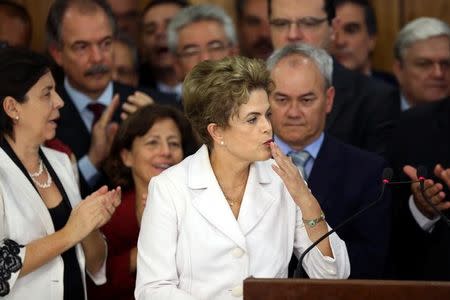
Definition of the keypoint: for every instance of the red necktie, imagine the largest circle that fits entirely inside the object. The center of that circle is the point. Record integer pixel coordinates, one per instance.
(97, 109)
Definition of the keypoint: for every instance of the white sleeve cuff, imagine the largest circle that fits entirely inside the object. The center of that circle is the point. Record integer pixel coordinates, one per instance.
(99, 278)
(319, 266)
(424, 223)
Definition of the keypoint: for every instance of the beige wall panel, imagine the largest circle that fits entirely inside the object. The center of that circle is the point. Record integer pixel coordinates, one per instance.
(38, 10)
(430, 8)
(388, 18)
(228, 5)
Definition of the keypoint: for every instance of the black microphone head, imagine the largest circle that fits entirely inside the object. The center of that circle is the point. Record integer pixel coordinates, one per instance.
(387, 175)
(421, 175)
(421, 172)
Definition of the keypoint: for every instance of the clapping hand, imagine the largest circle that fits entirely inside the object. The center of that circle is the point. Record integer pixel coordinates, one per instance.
(103, 133)
(432, 190)
(92, 212)
(134, 102)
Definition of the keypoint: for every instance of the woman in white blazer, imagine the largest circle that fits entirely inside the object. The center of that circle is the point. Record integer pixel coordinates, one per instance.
(45, 245)
(228, 211)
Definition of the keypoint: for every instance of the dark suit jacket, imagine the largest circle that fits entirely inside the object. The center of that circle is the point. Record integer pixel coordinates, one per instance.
(345, 179)
(364, 110)
(388, 78)
(421, 138)
(72, 131)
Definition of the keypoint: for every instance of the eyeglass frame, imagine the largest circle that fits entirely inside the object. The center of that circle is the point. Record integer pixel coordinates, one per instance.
(212, 47)
(429, 65)
(305, 23)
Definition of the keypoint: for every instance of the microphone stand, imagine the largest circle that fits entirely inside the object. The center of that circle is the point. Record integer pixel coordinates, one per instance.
(299, 270)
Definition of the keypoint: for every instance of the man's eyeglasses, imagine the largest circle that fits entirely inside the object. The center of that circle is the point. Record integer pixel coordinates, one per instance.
(214, 49)
(307, 23)
(428, 65)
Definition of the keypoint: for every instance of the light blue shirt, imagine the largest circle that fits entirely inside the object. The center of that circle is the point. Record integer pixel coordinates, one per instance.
(313, 149)
(81, 101)
(177, 90)
(404, 104)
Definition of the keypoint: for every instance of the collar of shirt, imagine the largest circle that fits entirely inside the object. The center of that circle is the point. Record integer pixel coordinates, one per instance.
(81, 101)
(312, 148)
(177, 89)
(404, 104)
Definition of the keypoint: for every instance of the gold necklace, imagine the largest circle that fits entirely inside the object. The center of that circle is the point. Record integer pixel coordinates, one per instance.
(231, 202)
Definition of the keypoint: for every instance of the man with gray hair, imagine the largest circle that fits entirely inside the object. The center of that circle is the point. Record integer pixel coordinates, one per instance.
(364, 110)
(342, 177)
(198, 33)
(422, 61)
(422, 138)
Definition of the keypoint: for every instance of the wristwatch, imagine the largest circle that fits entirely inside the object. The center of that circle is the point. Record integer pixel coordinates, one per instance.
(312, 223)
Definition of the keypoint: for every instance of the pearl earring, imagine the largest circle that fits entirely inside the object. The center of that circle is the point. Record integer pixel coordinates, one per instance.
(222, 143)
(17, 118)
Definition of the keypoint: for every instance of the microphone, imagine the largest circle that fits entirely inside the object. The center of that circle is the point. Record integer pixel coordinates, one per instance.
(386, 179)
(421, 175)
(387, 175)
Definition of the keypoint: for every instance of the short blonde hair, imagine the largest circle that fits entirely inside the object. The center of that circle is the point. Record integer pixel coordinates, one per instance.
(214, 90)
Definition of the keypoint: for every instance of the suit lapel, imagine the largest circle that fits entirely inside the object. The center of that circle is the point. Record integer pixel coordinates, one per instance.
(324, 173)
(209, 200)
(71, 125)
(257, 197)
(124, 91)
(24, 191)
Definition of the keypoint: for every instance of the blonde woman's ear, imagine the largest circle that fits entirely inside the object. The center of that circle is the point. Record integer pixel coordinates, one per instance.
(216, 133)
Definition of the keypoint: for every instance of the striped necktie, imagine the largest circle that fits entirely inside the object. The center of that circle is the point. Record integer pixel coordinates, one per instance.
(300, 159)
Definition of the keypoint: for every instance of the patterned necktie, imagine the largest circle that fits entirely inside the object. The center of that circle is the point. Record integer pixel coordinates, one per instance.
(97, 109)
(300, 159)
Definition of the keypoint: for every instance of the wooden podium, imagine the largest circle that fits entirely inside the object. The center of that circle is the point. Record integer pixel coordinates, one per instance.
(312, 289)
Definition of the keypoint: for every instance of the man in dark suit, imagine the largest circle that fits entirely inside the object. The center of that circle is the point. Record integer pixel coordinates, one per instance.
(343, 178)
(356, 37)
(421, 238)
(157, 68)
(364, 109)
(80, 35)
(422, 62)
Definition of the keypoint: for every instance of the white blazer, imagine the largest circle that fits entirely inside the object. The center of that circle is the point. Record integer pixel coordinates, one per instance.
(24, 218)
(191, 246)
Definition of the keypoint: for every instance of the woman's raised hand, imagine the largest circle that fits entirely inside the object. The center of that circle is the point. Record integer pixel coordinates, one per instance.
(289, 173)
(92, 213)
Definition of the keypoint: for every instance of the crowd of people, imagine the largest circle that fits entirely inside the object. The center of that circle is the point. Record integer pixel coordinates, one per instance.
(168, 154)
